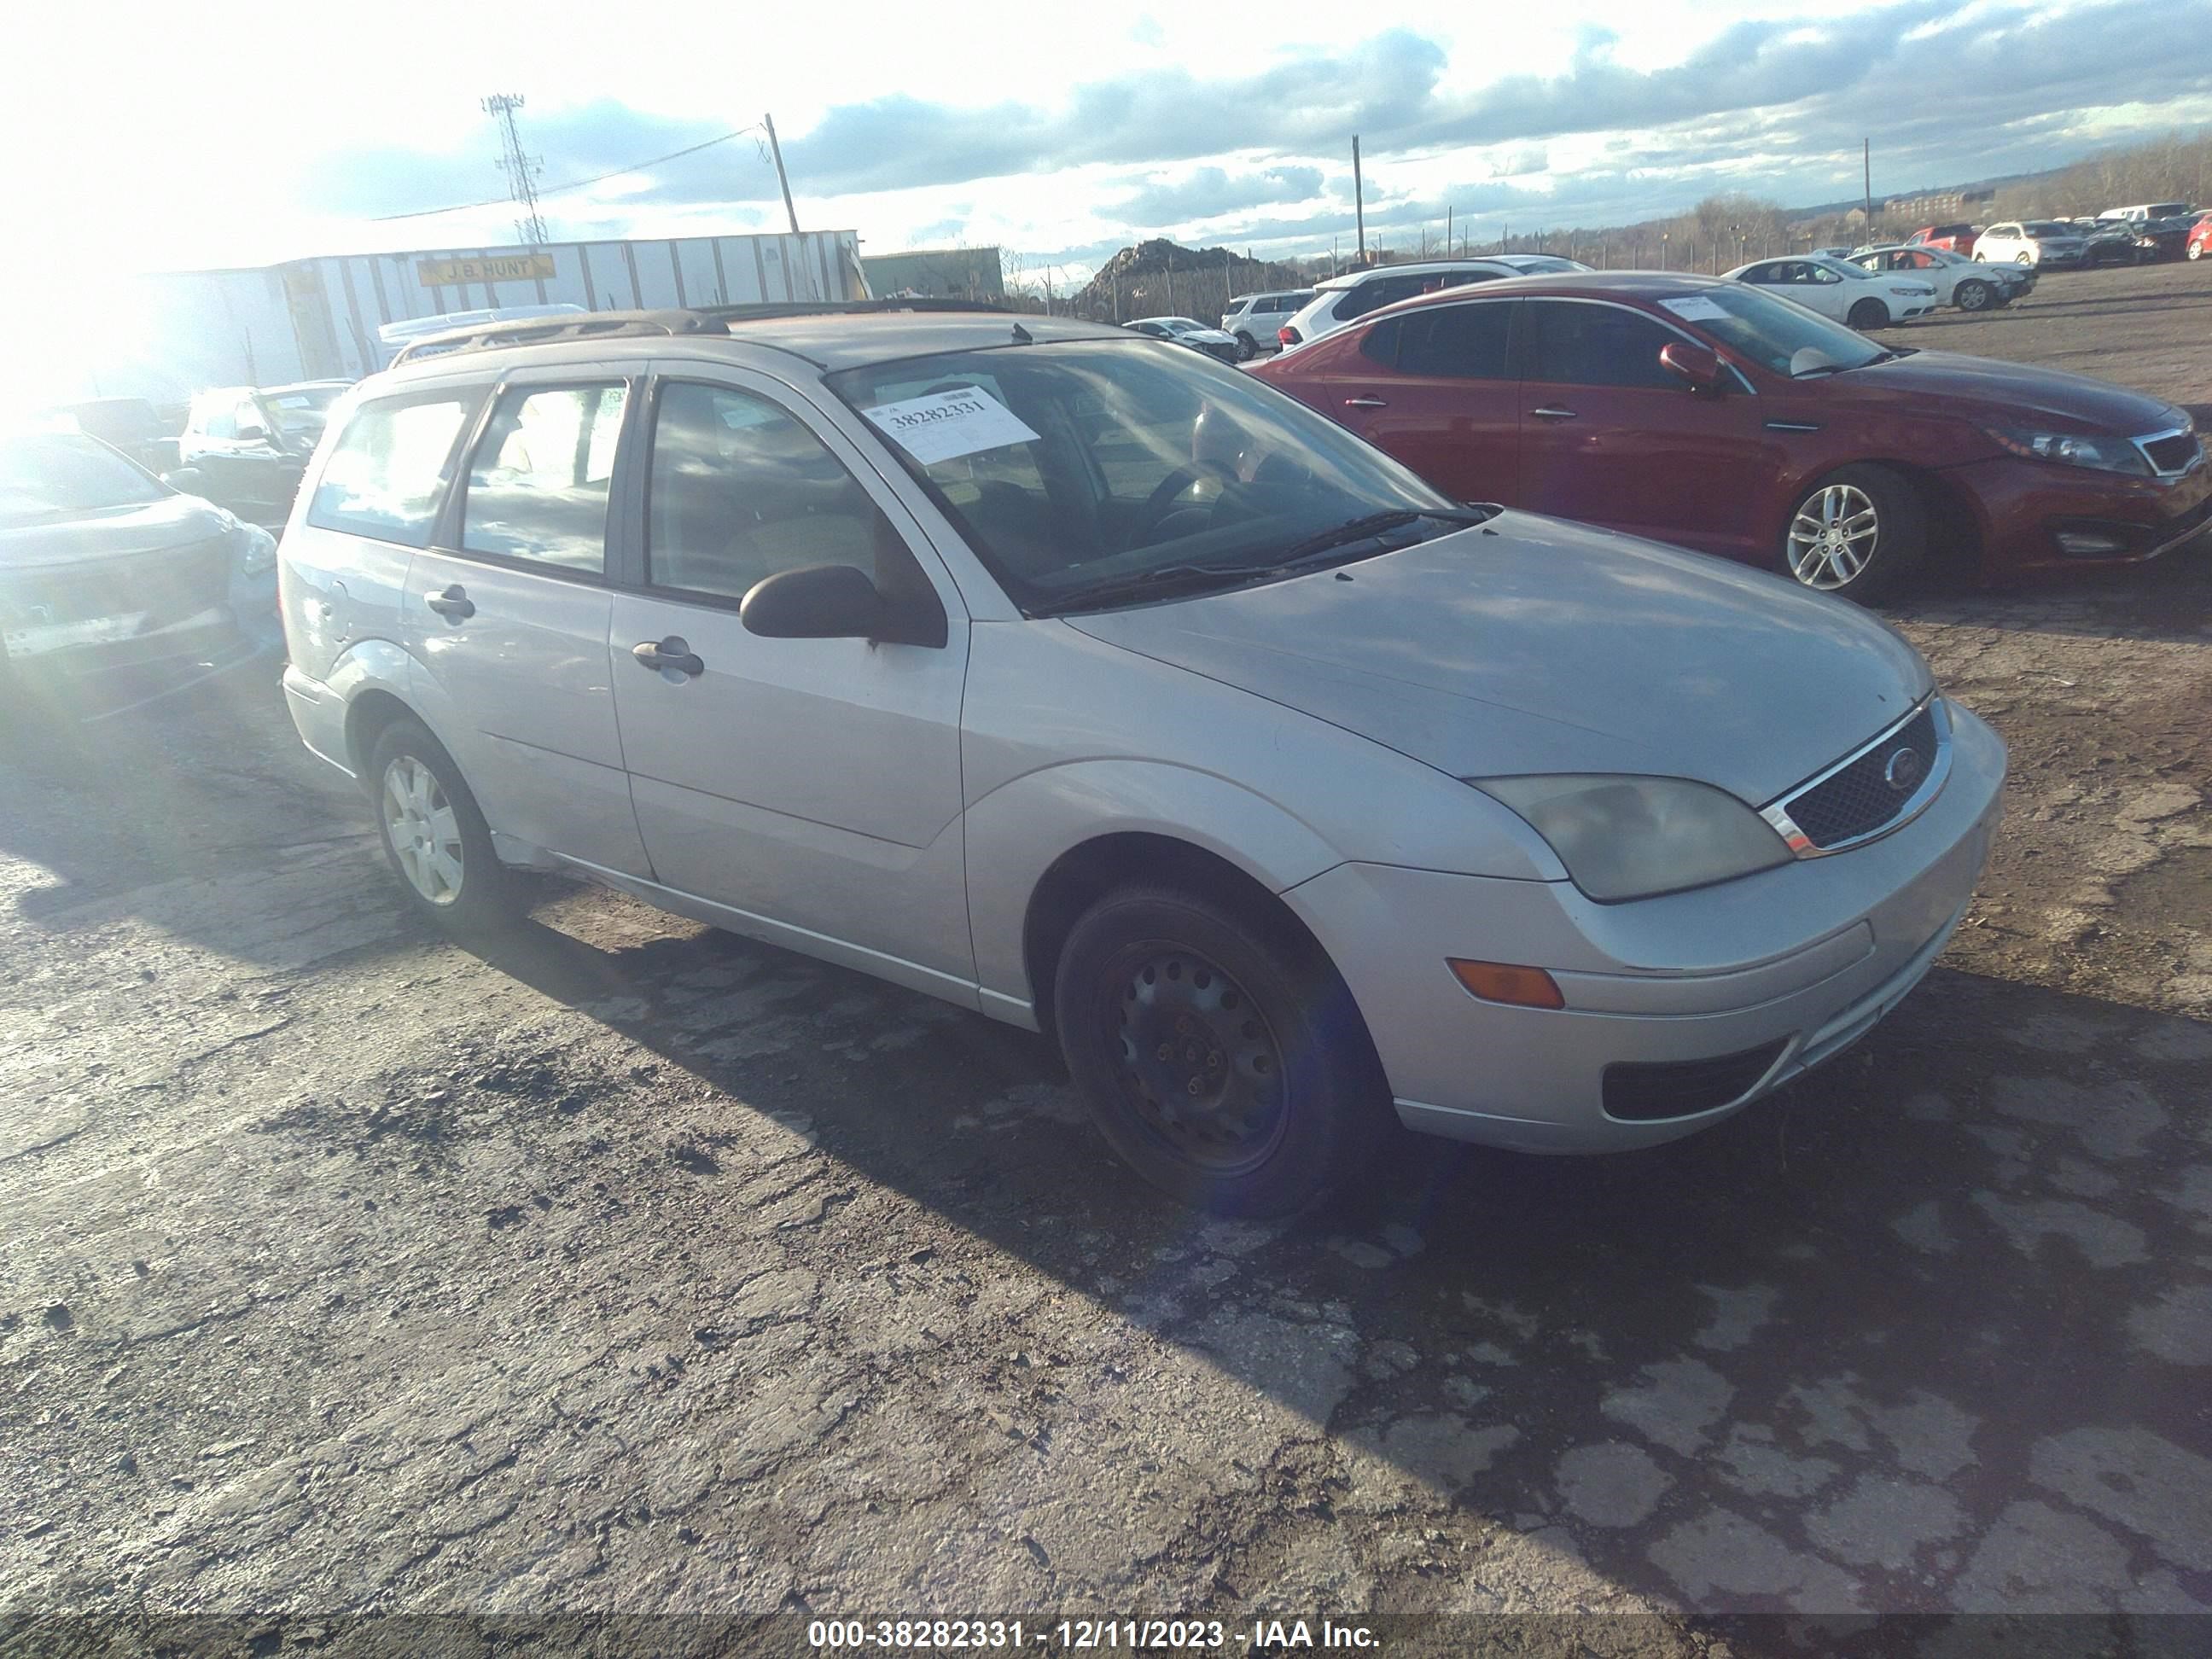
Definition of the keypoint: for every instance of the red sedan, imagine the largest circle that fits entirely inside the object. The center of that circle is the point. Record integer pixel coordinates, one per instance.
(1721, 418)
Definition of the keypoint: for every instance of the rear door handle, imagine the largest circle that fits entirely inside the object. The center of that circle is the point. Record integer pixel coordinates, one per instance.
(1553, 412)
(671, 653)
(453, 604)
(1370, 402)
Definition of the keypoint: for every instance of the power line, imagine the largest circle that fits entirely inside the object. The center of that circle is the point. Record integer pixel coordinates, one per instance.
(573, 184)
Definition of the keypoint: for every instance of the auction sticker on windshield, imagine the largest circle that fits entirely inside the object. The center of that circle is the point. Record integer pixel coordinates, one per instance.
(1696, 309)
(945, 425)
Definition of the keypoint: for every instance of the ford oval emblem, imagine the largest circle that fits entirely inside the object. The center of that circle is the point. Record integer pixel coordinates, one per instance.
(1904, 770)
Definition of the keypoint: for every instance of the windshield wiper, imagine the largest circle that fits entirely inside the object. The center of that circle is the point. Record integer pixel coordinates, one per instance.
(1377, 524)
(1168, 577)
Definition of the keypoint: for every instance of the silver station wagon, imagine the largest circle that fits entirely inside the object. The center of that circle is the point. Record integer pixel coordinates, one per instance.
(1088, 684)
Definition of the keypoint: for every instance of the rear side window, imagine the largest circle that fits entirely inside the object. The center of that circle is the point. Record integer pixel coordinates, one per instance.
(1461, 342)
(1596, 345)
(741, 490)
(538, 489)
(389, 468)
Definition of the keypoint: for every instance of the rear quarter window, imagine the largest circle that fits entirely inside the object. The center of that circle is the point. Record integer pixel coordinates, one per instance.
(388, 472)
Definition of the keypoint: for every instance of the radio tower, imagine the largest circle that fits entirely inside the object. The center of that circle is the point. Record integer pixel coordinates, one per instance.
(520, 169)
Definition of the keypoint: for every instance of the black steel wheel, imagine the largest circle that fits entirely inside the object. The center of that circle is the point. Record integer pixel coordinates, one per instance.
(1869, 313)
(1220, 1055)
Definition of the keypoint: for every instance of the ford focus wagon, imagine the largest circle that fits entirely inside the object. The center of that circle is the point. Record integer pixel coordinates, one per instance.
(1094, 686)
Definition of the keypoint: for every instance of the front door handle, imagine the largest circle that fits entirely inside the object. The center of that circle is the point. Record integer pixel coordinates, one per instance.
(1368, 401)
(671, 653)
(453, 604)
(1553, 412)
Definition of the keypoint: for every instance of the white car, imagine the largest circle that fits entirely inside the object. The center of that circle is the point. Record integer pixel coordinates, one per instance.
(1346, 299)
(2032, 242)
(1255, 320)
(1841, 290)
(1958, 281)
(1188, 331)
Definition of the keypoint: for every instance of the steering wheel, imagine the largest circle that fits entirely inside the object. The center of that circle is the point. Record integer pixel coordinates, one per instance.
(1161, 502)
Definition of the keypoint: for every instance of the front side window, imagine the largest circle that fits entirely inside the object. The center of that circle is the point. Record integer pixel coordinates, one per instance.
(388, 470)
(741, 490)
(1082, 467)
(538, 489)
(1573, 344)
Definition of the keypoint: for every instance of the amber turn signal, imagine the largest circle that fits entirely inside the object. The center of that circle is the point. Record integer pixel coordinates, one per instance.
(1500, 981)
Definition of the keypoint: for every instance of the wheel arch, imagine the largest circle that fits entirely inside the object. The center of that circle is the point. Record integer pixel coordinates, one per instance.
(1087, 872)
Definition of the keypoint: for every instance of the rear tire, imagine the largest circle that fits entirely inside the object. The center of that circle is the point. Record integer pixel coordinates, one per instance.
(433, 834)
(1867, 314)
(1859, 534)
(1221, 1054)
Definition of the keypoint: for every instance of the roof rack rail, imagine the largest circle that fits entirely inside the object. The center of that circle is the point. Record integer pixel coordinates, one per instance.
(629, 324)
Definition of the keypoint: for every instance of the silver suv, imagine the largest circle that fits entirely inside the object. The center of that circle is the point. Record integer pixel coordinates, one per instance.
(1091, 684)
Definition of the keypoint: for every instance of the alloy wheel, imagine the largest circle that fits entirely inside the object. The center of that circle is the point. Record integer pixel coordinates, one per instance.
(424, 830)
(1833, 537)
(1199, 1061)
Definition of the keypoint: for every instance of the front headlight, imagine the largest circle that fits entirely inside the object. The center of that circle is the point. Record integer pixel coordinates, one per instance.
(254, 548)
(1627, 837)
(2100, 452)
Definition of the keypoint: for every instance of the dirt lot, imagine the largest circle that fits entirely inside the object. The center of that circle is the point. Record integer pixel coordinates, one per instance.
(633, 1267)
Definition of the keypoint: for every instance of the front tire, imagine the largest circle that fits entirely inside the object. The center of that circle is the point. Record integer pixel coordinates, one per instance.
(1867, 314)
(1973, 296)
(2197, 249)
(1219, 1053)
(433, 834)
(2022, 259)
(1860, 532)
(1247, 347)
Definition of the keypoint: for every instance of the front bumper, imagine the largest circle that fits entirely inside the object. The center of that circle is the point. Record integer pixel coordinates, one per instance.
(2026, 507)
(1790, 966)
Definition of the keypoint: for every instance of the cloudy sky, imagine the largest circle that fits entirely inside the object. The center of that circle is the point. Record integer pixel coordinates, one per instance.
(176, 136)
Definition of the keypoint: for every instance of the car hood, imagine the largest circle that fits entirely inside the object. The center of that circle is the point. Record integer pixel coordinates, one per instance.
(1986, 388)
(114, 532)
(1210, 336)
(1534, 645)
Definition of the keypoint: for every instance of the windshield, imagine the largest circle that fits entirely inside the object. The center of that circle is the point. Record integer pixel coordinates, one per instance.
(1779, 336)
(2048, 228)
(56, 475)
(1081, 465)
(1181, 325)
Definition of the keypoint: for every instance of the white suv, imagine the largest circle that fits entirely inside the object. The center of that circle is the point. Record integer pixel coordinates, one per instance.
(1255, 319)
(1107, 690)
(1342, 299)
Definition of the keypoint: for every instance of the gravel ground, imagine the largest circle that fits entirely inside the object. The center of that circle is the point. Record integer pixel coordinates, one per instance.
(629, 1266)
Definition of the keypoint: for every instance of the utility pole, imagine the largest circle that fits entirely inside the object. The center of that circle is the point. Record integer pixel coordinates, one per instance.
(1358, 200)
(521, 170)
(1866, 157)
(1447, 218)
(776, 150)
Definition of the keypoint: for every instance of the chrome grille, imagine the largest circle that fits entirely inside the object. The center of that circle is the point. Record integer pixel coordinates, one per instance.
(1869, 792)
(2174, 452)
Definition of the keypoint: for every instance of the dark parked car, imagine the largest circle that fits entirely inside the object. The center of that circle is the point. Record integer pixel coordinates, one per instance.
(245, 446)
(103, 566)
(1719, 418)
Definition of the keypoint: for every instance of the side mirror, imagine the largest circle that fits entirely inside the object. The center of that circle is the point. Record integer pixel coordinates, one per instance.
(250, 434)
(838, 602)
(1697, 365)
(187, 480)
